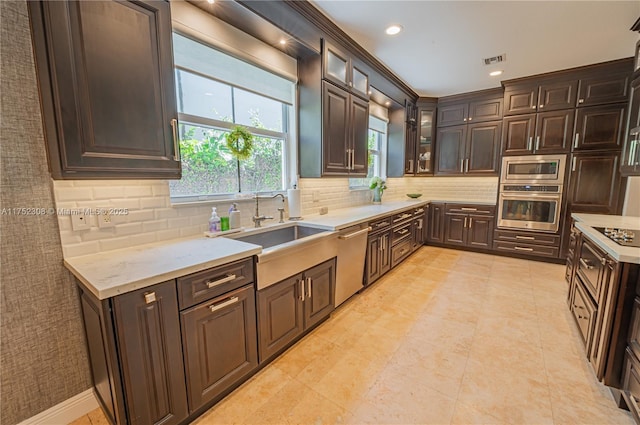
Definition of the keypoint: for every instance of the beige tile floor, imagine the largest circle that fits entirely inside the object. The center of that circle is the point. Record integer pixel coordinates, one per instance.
(448, 337)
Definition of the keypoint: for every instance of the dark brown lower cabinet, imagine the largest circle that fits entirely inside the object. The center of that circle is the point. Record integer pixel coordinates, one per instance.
(219, 339)
(289, 308)
(378, 255)
(525, 242)
(135, 354)
(469, 225)
(435, 228)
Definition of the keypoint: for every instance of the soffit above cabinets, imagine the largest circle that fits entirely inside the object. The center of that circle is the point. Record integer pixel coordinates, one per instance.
(441, 48)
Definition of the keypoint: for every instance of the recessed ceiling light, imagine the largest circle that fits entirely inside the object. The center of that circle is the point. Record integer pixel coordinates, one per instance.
(211, 1)
(495, 73)
(283, 41)
(393, 29)
(387, 103)
(369, 92)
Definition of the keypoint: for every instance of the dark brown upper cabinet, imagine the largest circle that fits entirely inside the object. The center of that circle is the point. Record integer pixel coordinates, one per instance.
(345, 130)
(595, 184)
(599, 127)
(468, 149)
(420, 140)
(341, 69)
(468, 111)
(534, 97)
(541, 133)
(106, 77)
(604, 88)
(631, 152)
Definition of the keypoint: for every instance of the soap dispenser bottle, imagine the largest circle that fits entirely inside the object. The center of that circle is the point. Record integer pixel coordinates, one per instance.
(214, 221)
(234, 217)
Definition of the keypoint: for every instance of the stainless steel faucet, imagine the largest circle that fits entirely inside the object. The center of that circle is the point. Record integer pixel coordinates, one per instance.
(258, 219)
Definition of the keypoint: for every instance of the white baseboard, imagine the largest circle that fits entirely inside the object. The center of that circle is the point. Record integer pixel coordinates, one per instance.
(65, 412)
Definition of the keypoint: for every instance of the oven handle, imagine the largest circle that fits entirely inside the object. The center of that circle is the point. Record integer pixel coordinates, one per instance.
(532, 196)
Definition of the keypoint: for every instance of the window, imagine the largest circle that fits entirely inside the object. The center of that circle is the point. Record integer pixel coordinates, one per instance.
(216, 92)
(377, 143)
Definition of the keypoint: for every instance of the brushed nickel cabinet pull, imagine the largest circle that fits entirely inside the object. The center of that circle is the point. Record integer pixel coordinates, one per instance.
(213, 283)
(529, 238)
(520, 248)
(462, 165)
(149, 297)
(301, 289)
(573, 164)
(465, 222)
(466, 165)
(468, 209)
(575, 140)
(216, 307)
(308, 287)
(530, 144)
(586, 265)
(176, 141)
(470, 222)
(537, 143)
(580, 100)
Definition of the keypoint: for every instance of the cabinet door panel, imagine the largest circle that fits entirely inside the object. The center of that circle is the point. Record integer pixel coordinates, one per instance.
(450, 149)
(108, 90)
(599, 127)
(320, 286)
(603, 89)
(485, 110)
(219, 344)
(595, 183)
(480, 231)
(455, 229)
(280, 316)
(517, 134)
(373, 259)
(436, 223)
(452, 114)
(152, 365)
(631, 151)
(554, 96)
(553, 132)
(335, 65)
(520, 100)
(482, 147)
(359, 136)
(335, 129)
(385, 253)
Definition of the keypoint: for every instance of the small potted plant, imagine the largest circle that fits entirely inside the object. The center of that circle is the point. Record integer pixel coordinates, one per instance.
(378, 185)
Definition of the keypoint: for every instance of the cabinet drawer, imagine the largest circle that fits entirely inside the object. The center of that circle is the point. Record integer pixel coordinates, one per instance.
(400, 233)
(525, 248)
(405, 215)
(419, 211)
(380, 224)
(584, 312)
(469, 209)
(204, 285)
(568, 273)
(527, 238)
(590, 266)
(400, 251)
(631, 383)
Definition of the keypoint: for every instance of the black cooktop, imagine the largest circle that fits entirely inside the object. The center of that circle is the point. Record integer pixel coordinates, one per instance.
(624, 237)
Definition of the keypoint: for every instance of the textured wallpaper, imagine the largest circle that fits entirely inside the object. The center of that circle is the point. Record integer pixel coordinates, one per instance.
(42, 351)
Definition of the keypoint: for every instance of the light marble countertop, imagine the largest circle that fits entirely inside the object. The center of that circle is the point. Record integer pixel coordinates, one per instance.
(116, 272)
(345, 217)
(624, 254)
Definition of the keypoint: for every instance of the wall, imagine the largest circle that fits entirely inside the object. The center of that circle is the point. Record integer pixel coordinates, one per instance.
(152, 218)
(632, 198)
(42, 353)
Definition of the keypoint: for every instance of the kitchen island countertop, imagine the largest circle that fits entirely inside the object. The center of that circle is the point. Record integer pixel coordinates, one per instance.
(624, 254)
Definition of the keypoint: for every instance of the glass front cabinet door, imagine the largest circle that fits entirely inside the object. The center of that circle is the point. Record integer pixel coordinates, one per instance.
(425, 141)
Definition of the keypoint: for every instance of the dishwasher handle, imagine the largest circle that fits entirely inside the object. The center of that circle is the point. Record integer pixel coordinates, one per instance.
(354, 234)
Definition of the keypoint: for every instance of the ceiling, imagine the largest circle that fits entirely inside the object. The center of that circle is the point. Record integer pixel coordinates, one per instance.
(440, 50)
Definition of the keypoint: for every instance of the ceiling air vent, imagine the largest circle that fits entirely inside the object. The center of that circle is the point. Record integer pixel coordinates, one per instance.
(495, 59)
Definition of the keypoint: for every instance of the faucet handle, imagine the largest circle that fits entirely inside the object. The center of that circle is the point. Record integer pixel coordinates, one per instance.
(281, 211)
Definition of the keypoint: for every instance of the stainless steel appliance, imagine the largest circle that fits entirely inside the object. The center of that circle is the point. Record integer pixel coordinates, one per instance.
(352, 250)
(624, 237)
(538, 169)
(531, 192)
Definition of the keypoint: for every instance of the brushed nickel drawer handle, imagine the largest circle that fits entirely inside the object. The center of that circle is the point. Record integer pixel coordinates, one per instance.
(216, 307)
(302, 290)
(176, 141)
(214, 283)
(354, 234)
(403, 231)
(520, 248)
(528, 238)
(586, 265)
(530, 144)
(468, 209)
(149, 297)
(465, 222)
(308, 287)
(576, 139)
(583, 317)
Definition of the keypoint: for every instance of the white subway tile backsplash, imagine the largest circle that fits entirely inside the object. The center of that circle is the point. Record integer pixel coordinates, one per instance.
(77, 249)
(155, 225)
(151, 216)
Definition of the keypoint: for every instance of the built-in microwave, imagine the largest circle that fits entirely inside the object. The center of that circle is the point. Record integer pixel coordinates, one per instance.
(547, 169)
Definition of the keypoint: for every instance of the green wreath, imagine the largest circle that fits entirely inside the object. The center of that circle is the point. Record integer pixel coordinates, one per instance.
(234, 139)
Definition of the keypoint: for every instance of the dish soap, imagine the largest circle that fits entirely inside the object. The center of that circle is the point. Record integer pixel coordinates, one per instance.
(234, 217)
(214, 221)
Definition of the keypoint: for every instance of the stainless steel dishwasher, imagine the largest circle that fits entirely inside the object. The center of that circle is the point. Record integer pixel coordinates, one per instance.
(352, 249)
